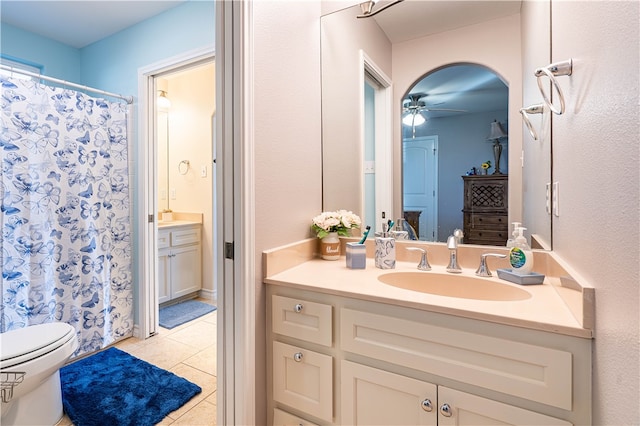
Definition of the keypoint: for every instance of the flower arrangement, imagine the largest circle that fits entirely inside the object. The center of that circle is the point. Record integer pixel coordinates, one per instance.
(486, 165)
(341, 221)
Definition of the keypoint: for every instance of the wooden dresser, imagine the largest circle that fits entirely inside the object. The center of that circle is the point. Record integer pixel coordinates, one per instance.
(485, 209)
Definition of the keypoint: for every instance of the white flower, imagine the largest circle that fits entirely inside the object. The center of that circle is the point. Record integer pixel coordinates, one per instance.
(340, 221)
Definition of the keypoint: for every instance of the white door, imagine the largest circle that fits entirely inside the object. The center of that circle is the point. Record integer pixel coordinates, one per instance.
(420, 182)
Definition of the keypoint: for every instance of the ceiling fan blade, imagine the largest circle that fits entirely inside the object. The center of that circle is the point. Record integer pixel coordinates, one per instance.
(445, 109)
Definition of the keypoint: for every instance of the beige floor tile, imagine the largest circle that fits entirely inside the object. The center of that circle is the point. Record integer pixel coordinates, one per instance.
(202, 414)
(207, 382)
(199, 335)
(164, 352)
(205, 360)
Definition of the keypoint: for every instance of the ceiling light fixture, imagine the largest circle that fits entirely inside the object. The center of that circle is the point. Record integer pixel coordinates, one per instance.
(367, 8)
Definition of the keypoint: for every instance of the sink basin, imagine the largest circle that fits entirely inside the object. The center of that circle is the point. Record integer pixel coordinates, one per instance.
(451, 285)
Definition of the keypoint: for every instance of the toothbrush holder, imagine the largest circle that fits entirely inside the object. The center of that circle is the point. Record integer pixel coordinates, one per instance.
(356, 256)
(385, 253)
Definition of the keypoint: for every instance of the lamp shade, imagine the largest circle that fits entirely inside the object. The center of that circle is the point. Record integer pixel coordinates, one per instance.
(496, 132)
(413, 119)
(163, 101)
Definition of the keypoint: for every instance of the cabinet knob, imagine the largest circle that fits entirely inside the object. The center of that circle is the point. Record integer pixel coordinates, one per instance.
(445, 410)
(297, 357)
(426, 405)
(298, 308)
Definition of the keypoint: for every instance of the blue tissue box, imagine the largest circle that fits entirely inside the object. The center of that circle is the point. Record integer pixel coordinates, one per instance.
(356, 256)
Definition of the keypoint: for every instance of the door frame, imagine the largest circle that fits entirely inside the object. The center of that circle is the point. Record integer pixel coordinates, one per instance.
(148, 175)
(383, 136)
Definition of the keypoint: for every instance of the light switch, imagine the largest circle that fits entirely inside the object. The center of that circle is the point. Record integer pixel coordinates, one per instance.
(203, 170)
(173, 193)
(369, 167)
(163, 194)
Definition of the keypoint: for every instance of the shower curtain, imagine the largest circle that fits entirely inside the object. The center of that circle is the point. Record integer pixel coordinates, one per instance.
(65, 212)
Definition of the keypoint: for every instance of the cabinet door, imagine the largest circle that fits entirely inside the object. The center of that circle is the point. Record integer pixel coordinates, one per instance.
(461, 408)
(375, 397)
(164, 274)
(186, 270)
(303, 379)
(282, 418)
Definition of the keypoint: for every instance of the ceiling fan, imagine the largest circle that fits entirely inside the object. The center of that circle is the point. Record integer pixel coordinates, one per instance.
(412, 108)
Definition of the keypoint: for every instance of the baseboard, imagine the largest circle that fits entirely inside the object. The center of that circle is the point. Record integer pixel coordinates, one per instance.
(212, 295)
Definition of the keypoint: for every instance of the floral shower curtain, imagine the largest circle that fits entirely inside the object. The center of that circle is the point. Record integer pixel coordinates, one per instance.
(65, 213)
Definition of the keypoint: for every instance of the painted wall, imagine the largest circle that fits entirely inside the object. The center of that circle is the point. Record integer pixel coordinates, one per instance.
(596, 160)
(286, 133)
(192, 97)
(57, 59)
(493, 44)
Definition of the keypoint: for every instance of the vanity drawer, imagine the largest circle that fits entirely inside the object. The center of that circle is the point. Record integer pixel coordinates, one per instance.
(185, 236)
(164, 240)
(532, 372)
(282, 418)
(302, 319)
(303, 379)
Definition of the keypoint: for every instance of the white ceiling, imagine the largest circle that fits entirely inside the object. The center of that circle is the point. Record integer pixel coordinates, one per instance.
(81, 22)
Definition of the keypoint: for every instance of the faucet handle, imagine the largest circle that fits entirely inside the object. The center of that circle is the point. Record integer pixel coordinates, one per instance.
(424, 262)
(483, 269)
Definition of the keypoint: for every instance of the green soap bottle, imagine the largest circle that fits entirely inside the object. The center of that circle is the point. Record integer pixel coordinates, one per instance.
(520, 255)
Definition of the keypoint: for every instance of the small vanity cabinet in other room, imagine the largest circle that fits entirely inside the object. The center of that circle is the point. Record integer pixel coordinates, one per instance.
(179, 262)
(486, 209)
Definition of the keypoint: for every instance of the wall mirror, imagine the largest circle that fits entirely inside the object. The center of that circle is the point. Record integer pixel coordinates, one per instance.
(471, 48)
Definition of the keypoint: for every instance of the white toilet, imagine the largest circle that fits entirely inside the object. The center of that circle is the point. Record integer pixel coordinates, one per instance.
(30, 372)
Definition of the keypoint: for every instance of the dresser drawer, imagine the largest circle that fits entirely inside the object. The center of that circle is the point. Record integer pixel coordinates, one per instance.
(185, 236)
(532, 372)
(489, 221)
(303, 379)
(302, 319)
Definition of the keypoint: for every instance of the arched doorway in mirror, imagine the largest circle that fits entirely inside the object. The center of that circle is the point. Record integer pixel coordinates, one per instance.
(447, 118)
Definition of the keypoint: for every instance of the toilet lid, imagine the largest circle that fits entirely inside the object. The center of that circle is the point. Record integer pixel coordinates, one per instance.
(25, 344)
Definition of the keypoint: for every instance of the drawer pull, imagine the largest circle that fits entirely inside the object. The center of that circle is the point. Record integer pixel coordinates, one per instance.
(445, 410)
(297, 357)
(426, 405)
(298, 308)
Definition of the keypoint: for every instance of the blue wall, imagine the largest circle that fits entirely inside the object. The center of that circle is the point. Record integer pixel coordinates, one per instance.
(112, 64)
(57, 59)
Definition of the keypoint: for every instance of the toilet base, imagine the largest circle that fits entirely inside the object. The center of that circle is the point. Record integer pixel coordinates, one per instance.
(47, 398)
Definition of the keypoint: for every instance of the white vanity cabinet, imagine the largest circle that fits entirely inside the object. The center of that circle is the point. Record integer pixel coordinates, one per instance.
(394, 365)
(179, 262)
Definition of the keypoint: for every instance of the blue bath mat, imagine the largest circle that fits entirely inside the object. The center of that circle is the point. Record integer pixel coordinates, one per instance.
(175, 315)
(114, 388)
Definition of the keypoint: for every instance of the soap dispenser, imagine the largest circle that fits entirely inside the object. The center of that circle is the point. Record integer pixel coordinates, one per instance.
(520, 255)
(512, 241)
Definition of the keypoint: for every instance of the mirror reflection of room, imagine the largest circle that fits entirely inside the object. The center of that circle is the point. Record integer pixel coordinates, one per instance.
(450, 146)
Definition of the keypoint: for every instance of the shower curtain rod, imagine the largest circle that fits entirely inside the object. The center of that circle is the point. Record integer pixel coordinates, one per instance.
(127, 99)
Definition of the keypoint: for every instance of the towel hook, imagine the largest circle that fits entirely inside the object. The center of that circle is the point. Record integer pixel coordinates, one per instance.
(552, 71)
(186, 169)
(531, 109)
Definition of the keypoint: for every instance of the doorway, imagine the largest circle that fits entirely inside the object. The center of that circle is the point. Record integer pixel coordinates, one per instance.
(180, 170)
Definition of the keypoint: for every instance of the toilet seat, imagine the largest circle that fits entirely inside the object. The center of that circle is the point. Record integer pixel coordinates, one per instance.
(26, 344)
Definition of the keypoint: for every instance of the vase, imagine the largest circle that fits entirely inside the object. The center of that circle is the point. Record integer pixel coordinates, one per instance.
(330, 246)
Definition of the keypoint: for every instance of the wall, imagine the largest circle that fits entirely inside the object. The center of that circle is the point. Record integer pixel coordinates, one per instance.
(536, 45)
(595, 160)
(287, 154)
(493, 44)
(190, 138)
(57, 59)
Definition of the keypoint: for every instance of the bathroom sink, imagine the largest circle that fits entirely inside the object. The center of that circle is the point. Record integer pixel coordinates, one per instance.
(450, 285)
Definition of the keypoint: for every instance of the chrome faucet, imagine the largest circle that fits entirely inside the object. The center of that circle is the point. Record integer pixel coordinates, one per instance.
(452, 245)
(483, 269)
(424, 262)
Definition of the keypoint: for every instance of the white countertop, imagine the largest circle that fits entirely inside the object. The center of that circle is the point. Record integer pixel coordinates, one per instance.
(175, 223)
(545, 310)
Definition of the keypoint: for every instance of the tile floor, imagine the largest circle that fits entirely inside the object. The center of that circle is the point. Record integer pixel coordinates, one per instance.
(188, 351)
